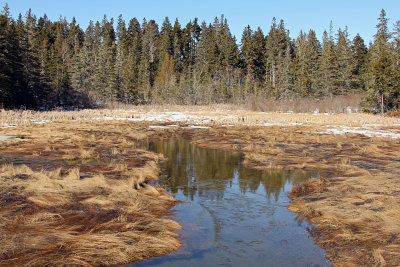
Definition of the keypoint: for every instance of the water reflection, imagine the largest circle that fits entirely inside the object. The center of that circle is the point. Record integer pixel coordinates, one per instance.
(194, 170)
(232, 215)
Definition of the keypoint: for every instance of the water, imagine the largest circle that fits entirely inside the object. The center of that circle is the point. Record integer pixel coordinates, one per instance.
(232, 215)
(5, 137)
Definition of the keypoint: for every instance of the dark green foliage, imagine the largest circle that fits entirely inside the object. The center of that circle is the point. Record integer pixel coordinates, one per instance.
(384, 82)
(49, 64)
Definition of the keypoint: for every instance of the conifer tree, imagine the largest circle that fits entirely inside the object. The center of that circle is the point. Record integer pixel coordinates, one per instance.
(105, 79)
(149, 60)
(253, 52)
(83, 69)
(345, 64)
(360, 70)
(307, 64)
(328, 65)
(122, 53)
(29, 41)
(383, 91)
(5, 63)
(131, 70)
(276, 47)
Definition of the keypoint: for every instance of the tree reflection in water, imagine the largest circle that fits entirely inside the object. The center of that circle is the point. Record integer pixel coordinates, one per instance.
(191, 169)
(232, 215)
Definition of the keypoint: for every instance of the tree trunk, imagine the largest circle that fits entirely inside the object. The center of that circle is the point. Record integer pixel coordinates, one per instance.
(382, 103)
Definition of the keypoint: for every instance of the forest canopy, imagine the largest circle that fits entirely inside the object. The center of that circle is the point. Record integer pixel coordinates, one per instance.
(46, 63)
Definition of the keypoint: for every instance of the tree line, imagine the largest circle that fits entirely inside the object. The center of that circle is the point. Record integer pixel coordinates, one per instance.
(46, 63)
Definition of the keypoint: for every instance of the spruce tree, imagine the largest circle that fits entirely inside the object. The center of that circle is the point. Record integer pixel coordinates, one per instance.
(328, 65)
(5, 64)
(276, 61)
(345, 64)
(307, 64)
(149, 59)
(360, 70)
(383, 91)
(131, 70)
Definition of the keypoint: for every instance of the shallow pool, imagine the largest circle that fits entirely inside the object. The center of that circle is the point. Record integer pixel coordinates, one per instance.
(232, 215)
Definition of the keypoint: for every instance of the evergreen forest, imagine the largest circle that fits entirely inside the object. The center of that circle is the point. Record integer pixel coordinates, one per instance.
(48, 64)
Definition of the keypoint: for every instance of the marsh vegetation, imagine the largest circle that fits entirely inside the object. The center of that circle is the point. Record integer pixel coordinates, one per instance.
(68, 183)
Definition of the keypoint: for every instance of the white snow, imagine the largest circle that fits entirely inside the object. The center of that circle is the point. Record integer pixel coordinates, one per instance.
(196, 127)
(369, 130)
(4, 137)
(283, 124)
(163, 126)
(6, 125)
(41, 122)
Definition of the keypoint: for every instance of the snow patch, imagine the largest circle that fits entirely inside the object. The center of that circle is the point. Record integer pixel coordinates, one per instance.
(370, 131)
(280, 124)
(6, 125)
(196, 127)
(4, 137)
(41, 122)
(163, 126)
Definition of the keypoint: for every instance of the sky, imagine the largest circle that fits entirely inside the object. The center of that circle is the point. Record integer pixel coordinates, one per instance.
(360, 16)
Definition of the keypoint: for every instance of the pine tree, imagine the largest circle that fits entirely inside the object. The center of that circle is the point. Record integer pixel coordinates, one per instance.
(276, 47)
(122, 53)
(29, 40)
(105, 78)
(149, 60)
(383, 92)
(82, 73)
(131, 70)
(345, 64)
(328, 65)
(5, 64)
(177, 47)
(59, 60)
(307, 64)
(360, 70)
(253, 52)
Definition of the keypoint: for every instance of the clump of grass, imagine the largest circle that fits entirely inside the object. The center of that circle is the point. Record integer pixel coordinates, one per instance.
(378, 258)
(103, 223)
(310, 186)
(86, 214)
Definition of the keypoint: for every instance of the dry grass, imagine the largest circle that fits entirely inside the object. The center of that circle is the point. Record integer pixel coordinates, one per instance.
(336, 104)
(356, 212)
(215, 115)
(96, 210)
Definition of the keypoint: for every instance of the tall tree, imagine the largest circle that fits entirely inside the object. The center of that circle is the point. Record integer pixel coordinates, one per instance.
(345, 64)
(149, 60)
(307, 64)
(360, 51)
(383, 91)
(328, 64)
(277, 43)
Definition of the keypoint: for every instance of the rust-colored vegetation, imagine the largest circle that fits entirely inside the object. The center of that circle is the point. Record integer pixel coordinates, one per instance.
(78, 194)
(82, 197)
(356, 212)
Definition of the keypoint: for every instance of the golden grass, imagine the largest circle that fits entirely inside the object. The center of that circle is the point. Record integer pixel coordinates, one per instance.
(356, 212)
(85, 213)
(238, 115)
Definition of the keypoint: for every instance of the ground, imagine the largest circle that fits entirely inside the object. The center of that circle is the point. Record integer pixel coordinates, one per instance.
(81, 167)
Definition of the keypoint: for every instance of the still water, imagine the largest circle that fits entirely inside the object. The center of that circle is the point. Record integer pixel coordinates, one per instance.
(232, 215)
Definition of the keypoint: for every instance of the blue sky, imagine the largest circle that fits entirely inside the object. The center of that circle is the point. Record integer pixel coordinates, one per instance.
(359, 15)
